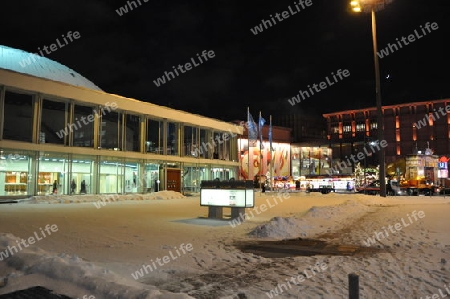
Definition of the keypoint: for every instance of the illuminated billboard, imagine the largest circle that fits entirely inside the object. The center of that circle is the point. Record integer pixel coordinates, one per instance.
(233, 194)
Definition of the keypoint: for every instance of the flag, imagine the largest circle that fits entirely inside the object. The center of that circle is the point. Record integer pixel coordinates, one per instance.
(252, 130)
(270, 134)
(262, 121)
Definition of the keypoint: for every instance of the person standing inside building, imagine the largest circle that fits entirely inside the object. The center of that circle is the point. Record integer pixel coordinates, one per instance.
(83, 187)
(55, 187)
(73, 186)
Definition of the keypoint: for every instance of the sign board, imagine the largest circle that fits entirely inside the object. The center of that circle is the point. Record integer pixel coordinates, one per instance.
(443, 173)
(442, 165)
(233, 194)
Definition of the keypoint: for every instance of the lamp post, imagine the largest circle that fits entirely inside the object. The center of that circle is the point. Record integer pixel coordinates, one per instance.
(372, 6)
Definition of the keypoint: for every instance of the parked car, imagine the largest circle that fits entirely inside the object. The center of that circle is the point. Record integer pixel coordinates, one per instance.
(392, 188)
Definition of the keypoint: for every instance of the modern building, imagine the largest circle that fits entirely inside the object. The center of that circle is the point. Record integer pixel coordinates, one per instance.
(259, 159)
(57, 127)
(287, 161)
(309, 159)
(409, 128)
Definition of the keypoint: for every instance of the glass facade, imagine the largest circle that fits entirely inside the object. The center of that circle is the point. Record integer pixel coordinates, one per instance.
(18, 116)
(154, 142)
(150, 176)
(132, 133)
(310, 160)
(111, 175)
(111, 131)
(15, 170)
(88, 133)
(172, 139)
(53, 174)
(81, 177)
(190, 143)
(83, 127)
(193, 174)
(53, 122)
(204, 145)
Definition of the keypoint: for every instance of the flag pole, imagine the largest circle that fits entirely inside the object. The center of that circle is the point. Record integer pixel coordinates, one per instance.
(271, 156)
(260, 151)
(248, 143)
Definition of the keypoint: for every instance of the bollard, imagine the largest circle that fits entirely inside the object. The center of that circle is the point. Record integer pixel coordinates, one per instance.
(353, 286)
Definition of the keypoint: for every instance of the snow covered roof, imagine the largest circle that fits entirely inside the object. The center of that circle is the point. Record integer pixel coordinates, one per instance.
(40, 66)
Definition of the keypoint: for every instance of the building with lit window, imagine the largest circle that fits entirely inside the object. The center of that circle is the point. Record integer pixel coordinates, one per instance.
(409, 128)
(258, 159)
(307, 159)
(57, 127)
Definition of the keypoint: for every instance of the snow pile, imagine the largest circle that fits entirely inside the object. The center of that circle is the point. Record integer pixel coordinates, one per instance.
(41, 268)
(345, 210)
(279, 227)
(316, 221)
(52, 199)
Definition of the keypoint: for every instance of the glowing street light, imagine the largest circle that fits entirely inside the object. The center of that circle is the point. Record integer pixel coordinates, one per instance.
(373, 6)
(356, 7)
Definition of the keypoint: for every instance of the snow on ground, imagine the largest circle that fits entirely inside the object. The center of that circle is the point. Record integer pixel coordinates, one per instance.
(99, 249)
(106, 198)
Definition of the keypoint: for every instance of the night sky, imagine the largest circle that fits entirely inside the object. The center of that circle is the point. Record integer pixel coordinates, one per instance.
(125, 54)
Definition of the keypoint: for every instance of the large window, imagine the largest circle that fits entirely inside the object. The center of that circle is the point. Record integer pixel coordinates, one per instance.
(53, 122)
(15, 178)
(132, 133)
(82, 173)
(193, 174)
(111, 175)
(347, 128)
(221, 145)
(225, 146)
(18, 117)
(83, 128)
(153, 143)
(172, 138)
(335, 129)
(133, 180)
(190, 141)
(151, 177)
(205, 144)
(223, 173)
(111, 131)
(360, 127)
(52, 174)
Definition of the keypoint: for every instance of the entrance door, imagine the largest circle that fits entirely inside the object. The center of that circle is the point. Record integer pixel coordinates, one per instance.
(174, 179)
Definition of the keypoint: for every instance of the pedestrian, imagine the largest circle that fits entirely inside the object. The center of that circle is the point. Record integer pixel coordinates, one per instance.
(73, 186)
(55, 187)
(83, 187)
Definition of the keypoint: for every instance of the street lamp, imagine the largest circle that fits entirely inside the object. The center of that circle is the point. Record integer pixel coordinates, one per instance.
(372, 6)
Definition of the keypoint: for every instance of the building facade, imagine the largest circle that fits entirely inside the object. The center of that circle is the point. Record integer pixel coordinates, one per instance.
(409, 128)
(58, 128)
(258, 159)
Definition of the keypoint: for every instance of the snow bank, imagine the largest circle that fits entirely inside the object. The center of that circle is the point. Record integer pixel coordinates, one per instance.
(317, 220)
(84, 277)
(53, 199)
